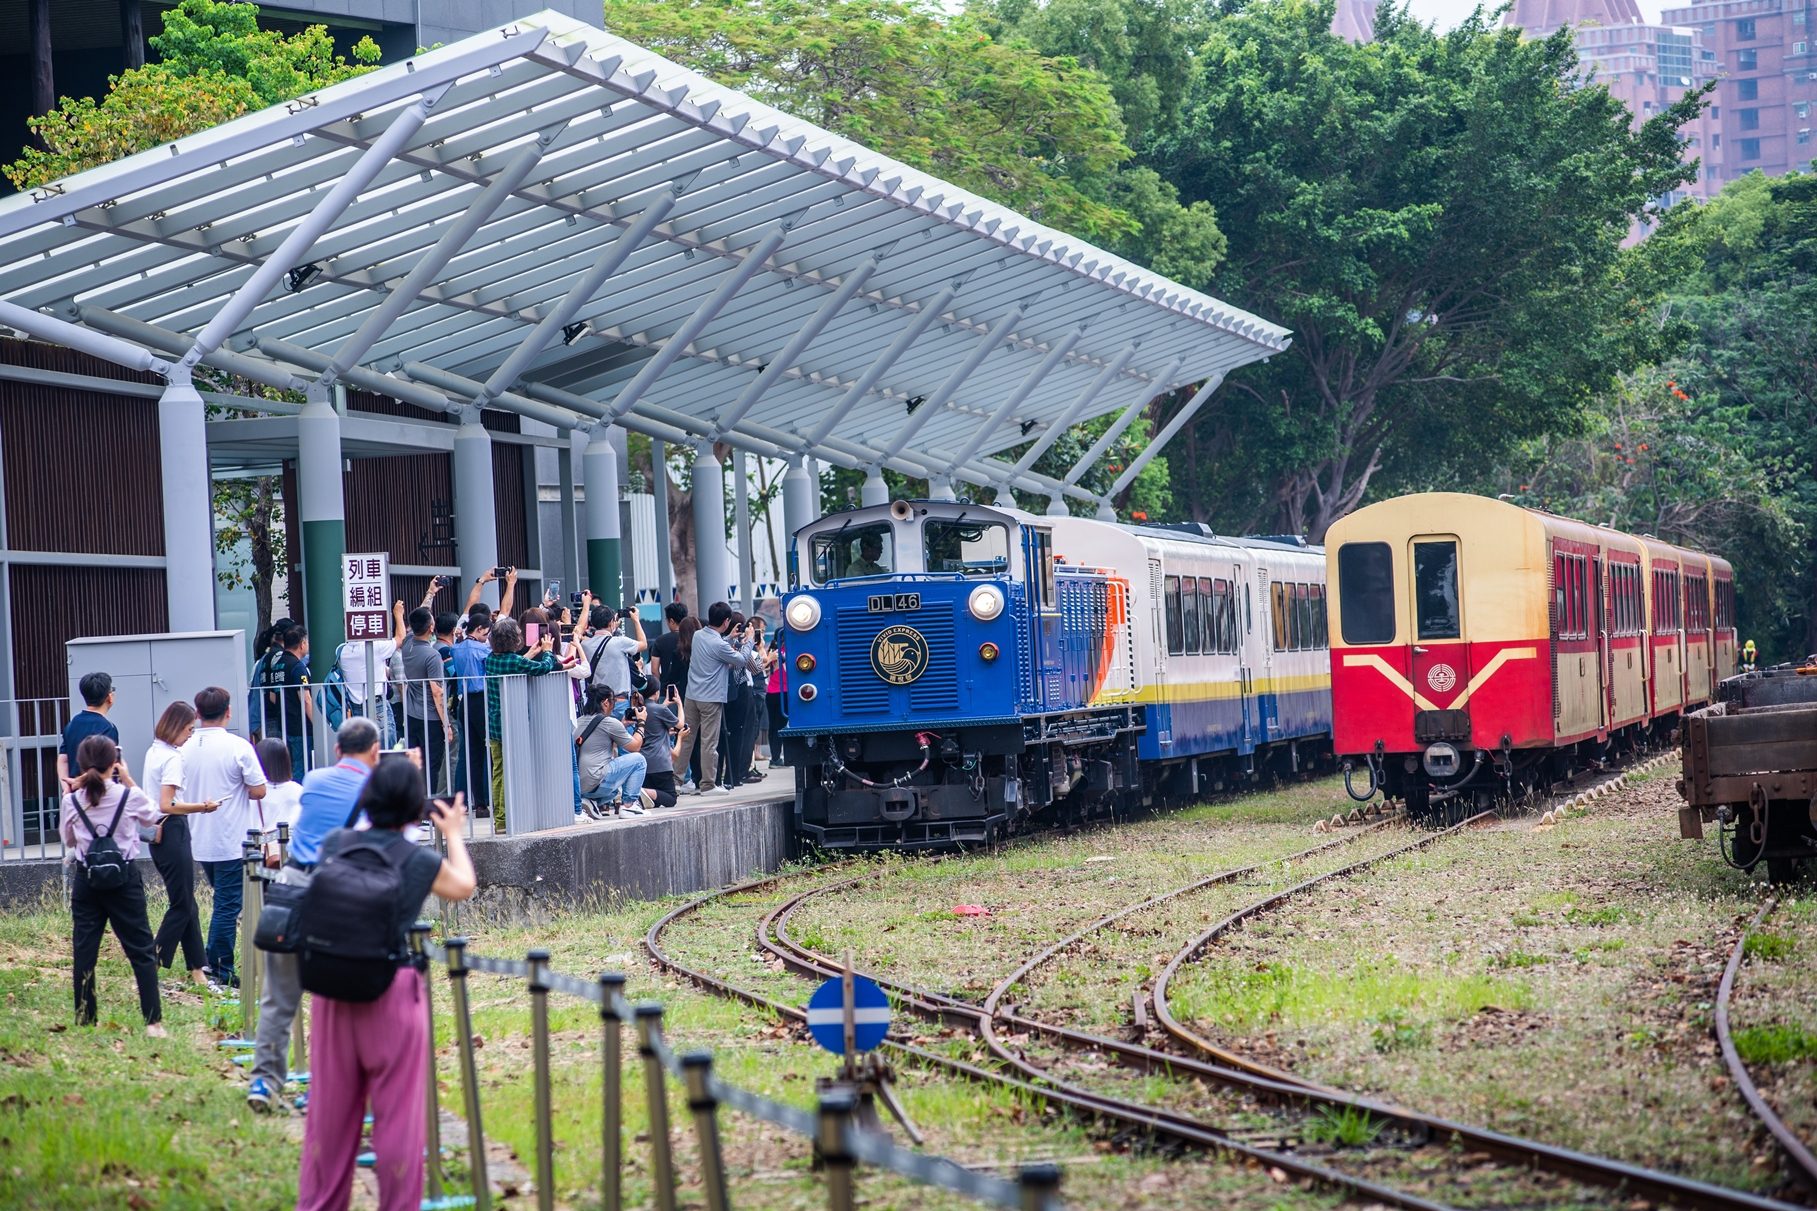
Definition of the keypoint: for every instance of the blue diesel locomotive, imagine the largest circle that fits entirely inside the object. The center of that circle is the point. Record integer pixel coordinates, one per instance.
(958, 672)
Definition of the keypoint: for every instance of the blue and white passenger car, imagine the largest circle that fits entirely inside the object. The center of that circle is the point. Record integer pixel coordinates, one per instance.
(957, 672)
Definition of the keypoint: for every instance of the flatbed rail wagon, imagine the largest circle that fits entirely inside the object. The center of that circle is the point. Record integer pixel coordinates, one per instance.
(1750, 767)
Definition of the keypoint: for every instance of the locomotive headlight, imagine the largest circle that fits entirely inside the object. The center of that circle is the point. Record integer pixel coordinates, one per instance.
(807, 691)
(804, 613)
(986, 602)
(804, 663)
(987, 652)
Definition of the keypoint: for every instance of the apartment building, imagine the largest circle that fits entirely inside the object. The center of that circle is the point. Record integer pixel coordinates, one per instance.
(1762, 112)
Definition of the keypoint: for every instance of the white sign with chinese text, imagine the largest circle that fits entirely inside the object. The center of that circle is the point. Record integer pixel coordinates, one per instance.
(365, 584)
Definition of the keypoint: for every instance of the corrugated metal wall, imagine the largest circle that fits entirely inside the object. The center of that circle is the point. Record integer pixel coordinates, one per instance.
(51, 605)
(82, 476)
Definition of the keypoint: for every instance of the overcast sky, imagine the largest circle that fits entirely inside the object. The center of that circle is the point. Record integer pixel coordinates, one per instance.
(1447, 13)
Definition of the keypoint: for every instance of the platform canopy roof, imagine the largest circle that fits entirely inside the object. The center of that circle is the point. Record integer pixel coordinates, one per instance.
(548, 219)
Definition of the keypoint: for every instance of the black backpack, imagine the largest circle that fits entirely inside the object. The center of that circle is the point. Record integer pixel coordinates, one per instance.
(104, 865)
(350, 916)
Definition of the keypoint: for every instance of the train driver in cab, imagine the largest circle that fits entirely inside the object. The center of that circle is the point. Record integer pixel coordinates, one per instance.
(870, 550)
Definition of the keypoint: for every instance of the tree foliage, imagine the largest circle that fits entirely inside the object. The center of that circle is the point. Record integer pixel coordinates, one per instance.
(214, 64)
(1438, 217)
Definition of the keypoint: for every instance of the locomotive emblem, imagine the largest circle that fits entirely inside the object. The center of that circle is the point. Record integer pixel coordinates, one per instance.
(899, 654)
(1441, 677)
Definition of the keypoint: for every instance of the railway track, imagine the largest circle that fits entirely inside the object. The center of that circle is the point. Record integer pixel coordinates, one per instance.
(1798, 1154)
(1003, 1031)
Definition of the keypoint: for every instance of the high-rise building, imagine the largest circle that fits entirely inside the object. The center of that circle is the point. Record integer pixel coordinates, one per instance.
(1761, 114)
(1355, 20)
(1649, 66)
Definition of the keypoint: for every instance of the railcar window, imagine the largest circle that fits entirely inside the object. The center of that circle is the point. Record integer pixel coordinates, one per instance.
(1366, 592)
(1321, 622)
(854, 551)
(1435, 591)
(1176, 632)
(1223, 617)
(1303, 595)
(1189, 607)
(1280, 616)
(970, 548)
(1212, 610)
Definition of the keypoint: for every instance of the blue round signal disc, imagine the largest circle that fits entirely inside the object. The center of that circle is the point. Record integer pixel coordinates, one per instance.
(870, 1013)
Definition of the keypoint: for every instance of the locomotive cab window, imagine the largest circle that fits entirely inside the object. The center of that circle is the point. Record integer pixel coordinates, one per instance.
(854, 551)
(969, 548)
(1435, 606)
(1366, 592)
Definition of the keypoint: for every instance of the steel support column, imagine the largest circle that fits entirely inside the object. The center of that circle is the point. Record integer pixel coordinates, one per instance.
(874, 491)
(189, 565)
(940, 487)
(799, 493)
(322, 511)
(711, 575)
(475, 510)
(605, 566)
(741, 527)
(570, 472)
(627, 537)
(659, 492)
(1160, 440)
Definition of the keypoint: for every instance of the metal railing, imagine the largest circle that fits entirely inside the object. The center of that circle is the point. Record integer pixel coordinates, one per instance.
(30, 795)
(838, 1140)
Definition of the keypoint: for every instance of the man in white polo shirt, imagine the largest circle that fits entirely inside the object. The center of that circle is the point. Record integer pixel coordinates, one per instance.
(221, 766)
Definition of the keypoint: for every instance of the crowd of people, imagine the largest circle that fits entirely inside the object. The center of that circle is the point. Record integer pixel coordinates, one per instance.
(654, 717)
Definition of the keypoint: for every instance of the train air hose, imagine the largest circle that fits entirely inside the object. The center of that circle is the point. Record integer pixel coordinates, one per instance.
(924, 739)
(1374, 782)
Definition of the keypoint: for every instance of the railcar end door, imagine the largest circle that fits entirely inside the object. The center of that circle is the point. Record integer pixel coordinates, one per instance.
(1440, 663)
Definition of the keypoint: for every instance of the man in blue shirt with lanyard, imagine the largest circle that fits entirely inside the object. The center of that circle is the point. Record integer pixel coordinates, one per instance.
(330, 799)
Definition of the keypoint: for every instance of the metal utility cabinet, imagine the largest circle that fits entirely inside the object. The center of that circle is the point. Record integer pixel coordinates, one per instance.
(152, 671)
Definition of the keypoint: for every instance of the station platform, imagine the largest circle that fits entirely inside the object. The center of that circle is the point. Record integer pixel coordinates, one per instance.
(703, 842)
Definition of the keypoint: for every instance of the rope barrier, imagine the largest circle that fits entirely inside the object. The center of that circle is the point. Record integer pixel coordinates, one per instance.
(838, 1138)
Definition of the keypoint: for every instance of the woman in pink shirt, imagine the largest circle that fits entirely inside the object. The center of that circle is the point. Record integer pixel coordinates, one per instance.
(111, 808)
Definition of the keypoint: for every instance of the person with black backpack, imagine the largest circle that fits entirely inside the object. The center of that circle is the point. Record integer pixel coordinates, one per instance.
(368, 1037)
(101, 845)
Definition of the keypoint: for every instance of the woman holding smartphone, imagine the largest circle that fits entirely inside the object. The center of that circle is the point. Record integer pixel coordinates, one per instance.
(169, 837)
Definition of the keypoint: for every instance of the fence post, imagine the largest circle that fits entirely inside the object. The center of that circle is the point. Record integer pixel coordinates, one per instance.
(419, 959)
(299, 1030)
(662, 1161)
(697, 1075)
(463, 1025)
(539, 1045)
(836, 1110)
(1040, 1186)
(612, 1112)
(252, 897)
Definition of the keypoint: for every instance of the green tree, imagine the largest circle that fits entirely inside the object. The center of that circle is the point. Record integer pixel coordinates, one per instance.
(214, 64)
(1438, 217)
(940, 92)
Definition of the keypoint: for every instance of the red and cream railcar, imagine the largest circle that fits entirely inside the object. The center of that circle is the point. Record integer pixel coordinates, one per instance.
(1476, 644)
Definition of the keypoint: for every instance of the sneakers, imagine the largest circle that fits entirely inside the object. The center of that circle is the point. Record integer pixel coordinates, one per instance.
(155, 1030)
(261, 1098)
(688, 788)
(648, 799)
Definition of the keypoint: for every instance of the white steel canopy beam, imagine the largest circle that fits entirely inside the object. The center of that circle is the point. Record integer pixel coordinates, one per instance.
(786, 358)
(1166, 435)
(304, 235)
(919, 324)
(1014, 399)
(1076, 409)
(692, 327)
(578, 296)
(932, 405)
(74, 336)
(451, 241)
(1121, 423)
